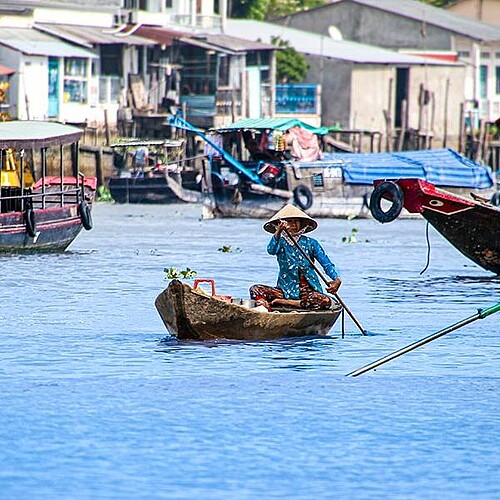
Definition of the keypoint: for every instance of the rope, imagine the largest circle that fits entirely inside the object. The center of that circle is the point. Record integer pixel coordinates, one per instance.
(428, 249)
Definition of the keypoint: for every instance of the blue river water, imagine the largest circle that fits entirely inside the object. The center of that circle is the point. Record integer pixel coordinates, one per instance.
(97, 401)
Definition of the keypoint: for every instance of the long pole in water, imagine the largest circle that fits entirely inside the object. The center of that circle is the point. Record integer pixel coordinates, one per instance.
(482, 313)
(323, 277)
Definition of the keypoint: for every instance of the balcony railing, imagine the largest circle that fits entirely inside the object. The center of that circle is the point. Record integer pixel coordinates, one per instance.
(200, 21)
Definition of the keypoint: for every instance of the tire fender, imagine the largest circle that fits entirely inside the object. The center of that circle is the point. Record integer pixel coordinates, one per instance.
(30, 221)
(394, 193)
(85, 216)
(303, 197)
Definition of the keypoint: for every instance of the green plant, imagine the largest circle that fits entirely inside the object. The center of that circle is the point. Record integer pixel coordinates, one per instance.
(173, 273)
(351, 238)
(291, 66)
(228, 249)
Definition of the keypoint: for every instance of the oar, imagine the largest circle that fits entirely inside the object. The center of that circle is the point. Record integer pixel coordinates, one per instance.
(325, 280)
(481, 313)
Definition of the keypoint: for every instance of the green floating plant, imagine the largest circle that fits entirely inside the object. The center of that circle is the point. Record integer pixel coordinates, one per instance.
(228, 249)
(173, 273)
(351, 238)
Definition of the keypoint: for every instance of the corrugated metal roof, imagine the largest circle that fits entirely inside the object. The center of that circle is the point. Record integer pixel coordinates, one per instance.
(198, 42)
(35, 43)
(36, 134)
(90, 35)
(420, 11)
(319, 45)
(235, 43)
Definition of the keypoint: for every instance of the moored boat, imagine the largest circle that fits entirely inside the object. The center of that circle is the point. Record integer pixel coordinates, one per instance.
(43, 215)
(152, 171)
(472, 226)
(192, 314)
(324, 184)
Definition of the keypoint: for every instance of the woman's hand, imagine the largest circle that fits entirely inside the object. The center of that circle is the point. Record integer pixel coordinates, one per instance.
(334, 285)
(280, 228)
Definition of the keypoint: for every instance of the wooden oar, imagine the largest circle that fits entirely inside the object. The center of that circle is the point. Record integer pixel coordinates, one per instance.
(326, 281)
(482, 313)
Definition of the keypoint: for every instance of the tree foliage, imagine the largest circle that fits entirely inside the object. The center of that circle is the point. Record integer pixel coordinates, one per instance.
(291, 66)
(438, 3)
(262, 10)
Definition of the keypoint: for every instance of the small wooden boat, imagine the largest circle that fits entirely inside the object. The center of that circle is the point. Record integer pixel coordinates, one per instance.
(472, 226)
(191, 314)
(46, 215)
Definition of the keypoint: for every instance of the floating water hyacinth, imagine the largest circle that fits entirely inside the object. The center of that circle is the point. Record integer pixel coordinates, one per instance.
(173, 273)
(228, 249)
(351, 238)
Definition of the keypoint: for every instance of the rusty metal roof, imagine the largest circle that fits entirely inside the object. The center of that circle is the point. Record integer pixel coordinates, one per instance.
(89, 36)
(163, 36)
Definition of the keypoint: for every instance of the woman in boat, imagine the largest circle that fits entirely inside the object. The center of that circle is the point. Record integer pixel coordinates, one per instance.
(298, 283)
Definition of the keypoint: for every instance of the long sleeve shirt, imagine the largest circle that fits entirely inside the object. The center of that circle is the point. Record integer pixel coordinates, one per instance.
(291, 261)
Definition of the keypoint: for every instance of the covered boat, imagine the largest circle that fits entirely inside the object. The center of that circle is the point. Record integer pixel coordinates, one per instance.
(192, 314)
(281, 161)
(43, 207)
(471, 225)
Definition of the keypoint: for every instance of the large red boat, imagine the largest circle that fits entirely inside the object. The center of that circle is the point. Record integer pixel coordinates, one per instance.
(472, 226)
(41, 212)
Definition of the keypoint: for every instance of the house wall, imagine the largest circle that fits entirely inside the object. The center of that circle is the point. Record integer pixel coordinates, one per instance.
(487, 11)
(370, 96)
(370, 26)
(447, 87)
(335, 82)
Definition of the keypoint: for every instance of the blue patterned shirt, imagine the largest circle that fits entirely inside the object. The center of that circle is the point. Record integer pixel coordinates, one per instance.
(291, 261)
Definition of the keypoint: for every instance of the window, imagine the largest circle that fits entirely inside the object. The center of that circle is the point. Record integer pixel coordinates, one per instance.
(463, 54)
(497, 80)
(483, 81)
(485, 55)
(75, 80)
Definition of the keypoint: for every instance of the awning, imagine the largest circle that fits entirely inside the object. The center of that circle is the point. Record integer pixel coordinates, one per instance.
(32, 42)
(89, 36)
(272, 124)
(4, 71)
(36, 134)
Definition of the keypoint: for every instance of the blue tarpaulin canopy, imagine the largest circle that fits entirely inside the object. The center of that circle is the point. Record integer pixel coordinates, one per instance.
(442, 167)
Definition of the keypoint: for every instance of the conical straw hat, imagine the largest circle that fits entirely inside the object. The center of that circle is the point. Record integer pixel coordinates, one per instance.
(290, 212)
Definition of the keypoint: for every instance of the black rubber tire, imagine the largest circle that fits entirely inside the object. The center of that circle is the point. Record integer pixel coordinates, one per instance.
(30, 221)
(303, 197)
(85, 216)
(495, 199)
(391, 191)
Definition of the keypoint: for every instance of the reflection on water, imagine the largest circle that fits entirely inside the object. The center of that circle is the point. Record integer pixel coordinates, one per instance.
(99, 402)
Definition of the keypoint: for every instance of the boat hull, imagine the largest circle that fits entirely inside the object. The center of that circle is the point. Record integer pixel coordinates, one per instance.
(472, 227)
(151, 190)
(191, 315)
(56, 228)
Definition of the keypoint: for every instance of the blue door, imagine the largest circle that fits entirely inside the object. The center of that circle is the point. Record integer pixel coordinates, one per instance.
(53, 87)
